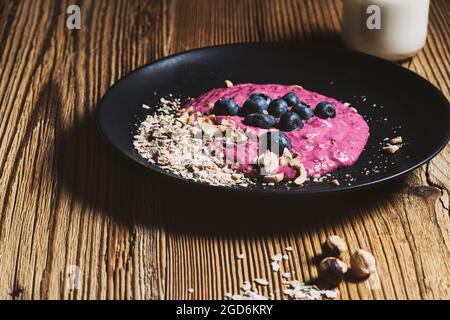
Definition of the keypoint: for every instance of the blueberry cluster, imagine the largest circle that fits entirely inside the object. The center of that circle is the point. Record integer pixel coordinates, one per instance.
(261, 111)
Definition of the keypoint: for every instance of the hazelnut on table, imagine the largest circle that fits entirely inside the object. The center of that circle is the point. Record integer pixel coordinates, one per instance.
(332, 270)
(362, 263)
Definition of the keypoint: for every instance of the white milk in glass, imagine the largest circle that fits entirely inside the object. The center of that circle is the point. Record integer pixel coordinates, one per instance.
(391, 29)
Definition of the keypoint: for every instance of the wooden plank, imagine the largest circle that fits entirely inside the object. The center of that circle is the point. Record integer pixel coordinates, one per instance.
(61, 182)
(69, 200)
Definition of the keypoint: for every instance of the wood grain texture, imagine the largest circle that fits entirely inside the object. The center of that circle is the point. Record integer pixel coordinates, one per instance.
(67, 199)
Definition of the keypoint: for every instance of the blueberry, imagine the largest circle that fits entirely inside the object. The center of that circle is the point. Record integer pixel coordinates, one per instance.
(303, 111)
(275, 141)
(278, 107)
(325, 110)
(291, 98)
(262, 95)
(225, 107)
(255, 104)
(290, 121)
(260, 120)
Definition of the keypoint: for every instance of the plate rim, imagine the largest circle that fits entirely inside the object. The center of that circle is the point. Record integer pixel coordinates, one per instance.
(154, 169)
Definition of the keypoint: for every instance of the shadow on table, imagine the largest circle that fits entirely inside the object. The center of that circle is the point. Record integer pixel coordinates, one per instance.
(97, 176)
(216, 213)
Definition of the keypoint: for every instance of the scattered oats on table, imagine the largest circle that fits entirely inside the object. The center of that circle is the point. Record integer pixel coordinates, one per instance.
(277, 257)
(299, 291)
(261, 282)
(294, 289)
(275, 266)
(246, 286)
(241, 256)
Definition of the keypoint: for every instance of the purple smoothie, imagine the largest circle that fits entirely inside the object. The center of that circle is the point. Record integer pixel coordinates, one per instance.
(323, 144)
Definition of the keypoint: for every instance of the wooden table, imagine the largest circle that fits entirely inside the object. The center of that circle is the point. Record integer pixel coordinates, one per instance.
(70, 205)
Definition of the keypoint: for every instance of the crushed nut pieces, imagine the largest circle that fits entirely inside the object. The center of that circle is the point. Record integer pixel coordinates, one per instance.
(302, 176)
(276, 178)
(396, 140)
(335, 182)
(228, 84)
(391, 149)
(268, 162)
(394, 145)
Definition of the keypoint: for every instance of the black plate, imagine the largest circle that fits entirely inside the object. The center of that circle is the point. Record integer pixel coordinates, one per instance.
(394, 101)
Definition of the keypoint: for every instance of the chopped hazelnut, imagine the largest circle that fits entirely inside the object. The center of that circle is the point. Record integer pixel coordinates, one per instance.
(268, 162)
(397, 140)
(391, 149)
(236, 176)
(302, 176)
(286, 157)
(287, 154)
(228, 83)
(295, 163)
(276, 178)
(335, 182)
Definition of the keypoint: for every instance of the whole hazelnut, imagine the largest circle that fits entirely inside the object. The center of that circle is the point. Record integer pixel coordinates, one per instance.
(363, 263)
(332, 270)
(336, 245)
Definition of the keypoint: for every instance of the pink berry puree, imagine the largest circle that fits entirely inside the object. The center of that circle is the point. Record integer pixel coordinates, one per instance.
(323, 144)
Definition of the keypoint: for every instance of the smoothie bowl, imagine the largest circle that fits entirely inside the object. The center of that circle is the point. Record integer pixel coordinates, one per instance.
(300, 120)
(248, 134)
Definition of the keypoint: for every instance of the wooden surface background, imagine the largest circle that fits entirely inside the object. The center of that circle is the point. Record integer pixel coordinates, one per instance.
(67, 199)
